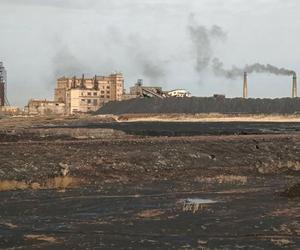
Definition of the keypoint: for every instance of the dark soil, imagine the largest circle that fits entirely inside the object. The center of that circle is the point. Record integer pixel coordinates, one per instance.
(131, 191)
(174, 129)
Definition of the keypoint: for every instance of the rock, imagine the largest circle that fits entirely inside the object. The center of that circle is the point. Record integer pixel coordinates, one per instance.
(64, 169)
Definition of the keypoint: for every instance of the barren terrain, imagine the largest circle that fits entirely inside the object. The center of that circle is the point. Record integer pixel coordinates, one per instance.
(91, 183)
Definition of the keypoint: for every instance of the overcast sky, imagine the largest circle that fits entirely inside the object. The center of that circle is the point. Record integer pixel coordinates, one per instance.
(41, 40)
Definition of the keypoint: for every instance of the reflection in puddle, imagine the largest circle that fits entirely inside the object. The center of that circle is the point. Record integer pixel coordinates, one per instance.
(195, 204)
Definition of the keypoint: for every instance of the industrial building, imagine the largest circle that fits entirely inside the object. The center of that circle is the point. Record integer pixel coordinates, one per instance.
(44, 107)
(80, 95)
(179, 93)
(139, 90)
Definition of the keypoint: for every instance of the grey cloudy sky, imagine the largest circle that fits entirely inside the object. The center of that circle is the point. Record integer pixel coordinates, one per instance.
(150, 39)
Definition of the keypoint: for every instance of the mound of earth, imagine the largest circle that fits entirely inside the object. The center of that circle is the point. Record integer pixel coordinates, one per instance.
(293, 191)
(197, 105)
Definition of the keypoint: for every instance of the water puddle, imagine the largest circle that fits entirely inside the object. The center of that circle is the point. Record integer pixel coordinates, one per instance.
(195, 204)
(199, 201)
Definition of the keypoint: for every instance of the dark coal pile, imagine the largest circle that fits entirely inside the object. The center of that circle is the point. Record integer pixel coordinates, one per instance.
(196, 105)
(292, 192)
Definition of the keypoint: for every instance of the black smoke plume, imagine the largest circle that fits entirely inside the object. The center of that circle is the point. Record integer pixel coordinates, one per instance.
(235, 72)
(202, 39)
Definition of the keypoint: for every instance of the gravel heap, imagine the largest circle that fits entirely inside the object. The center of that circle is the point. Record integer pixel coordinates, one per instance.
(196, 105)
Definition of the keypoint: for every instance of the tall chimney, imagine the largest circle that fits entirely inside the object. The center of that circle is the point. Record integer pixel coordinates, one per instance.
(3, 99)
(245, 87)
(82, 82)
(2, 94)
(294, 91)
(96, 85)
(73, 85)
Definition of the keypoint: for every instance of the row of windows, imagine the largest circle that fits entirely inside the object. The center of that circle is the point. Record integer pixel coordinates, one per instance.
(103, 87)
(108, 87)
(94, 101)
(95, 93)
(90, 101)
(90, 93)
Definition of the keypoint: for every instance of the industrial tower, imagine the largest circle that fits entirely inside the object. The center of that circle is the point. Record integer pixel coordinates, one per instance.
(3, 86)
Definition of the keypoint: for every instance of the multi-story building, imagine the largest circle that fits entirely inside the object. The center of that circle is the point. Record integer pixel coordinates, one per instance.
(82, 95)
(2, 85)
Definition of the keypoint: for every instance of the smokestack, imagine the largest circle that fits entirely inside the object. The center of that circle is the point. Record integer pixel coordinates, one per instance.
(73, 86)
(3, 99)
(96, 85)
(245, 87)
(82, 82)
(2, 94)
(294, 91)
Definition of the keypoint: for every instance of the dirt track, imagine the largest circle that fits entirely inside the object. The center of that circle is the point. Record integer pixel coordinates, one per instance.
(121, 191)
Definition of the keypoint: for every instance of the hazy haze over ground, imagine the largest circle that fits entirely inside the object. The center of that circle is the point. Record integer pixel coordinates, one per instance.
(149, 39)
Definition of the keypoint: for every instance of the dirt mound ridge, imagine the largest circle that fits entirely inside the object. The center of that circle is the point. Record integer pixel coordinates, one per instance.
(197, 105)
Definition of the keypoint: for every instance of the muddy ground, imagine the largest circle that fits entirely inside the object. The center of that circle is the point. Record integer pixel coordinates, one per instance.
(72, 185)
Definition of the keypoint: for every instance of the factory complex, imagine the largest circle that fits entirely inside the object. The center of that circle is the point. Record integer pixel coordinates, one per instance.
(79, 95)
(75, 95)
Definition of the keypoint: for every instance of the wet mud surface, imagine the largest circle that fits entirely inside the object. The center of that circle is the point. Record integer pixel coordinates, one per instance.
(192, 128)
(132, 192)
(122, 219)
